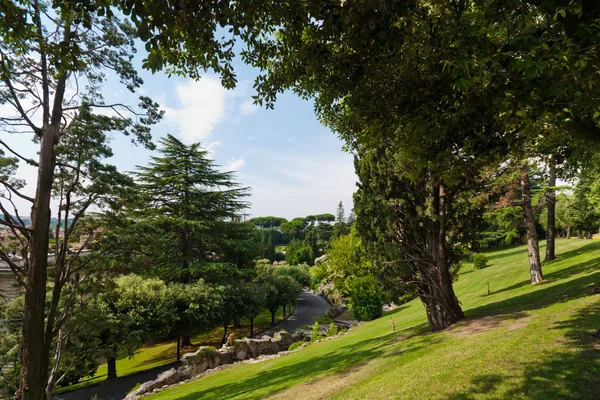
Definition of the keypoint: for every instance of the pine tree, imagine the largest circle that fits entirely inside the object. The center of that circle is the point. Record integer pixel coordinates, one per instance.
(270, 254)
(193, 209)
(340, 228)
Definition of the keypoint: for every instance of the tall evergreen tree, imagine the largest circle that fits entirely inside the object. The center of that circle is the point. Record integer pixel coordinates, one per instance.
(340, 227)
(270, 254)
(186, 199)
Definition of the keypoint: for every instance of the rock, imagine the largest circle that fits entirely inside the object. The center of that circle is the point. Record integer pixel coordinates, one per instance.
(207, 358)
(164, 379)
(337, 311)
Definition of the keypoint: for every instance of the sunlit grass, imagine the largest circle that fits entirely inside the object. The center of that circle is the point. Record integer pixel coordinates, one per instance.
(520, 341)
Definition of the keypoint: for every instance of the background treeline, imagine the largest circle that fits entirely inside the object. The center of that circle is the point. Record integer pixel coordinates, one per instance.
(300, 240)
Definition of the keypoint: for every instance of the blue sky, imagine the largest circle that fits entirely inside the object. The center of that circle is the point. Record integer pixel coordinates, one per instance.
(293, 164)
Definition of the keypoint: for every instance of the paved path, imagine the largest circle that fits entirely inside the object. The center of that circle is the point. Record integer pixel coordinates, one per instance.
(117, 389)
(309, 307)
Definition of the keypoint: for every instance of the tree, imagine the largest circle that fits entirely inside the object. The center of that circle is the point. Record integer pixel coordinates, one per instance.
(255, 300)
(325, 218)
(299, 252)
(272, 303)
(11, 320)
(299, 273)
(294, 228)
(346, 259)
(233, 305)
(535, 265)
(184, 195)
(270, 253)
(521, 187)
(340, 227)
(404, 227)
(132, 310)
(195, 305)
(366, 298)
(582, 211)
(52, 63)
(288, 290)
(267, 222)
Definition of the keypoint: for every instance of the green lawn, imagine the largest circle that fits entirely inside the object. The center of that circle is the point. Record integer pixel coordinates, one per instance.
(165, 353)
(521, 341)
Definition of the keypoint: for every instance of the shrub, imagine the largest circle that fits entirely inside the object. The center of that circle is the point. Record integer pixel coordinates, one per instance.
(295, 345)
(454, 271)
(315, 333)
(332, 329)
(208, 351)
(480, 261)
(366, 298)
(324, 320)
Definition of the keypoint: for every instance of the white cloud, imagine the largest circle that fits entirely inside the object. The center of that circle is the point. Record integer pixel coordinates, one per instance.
(234, 164)
(303, 187)
(202, 108)
(212, 146)
(248, 108)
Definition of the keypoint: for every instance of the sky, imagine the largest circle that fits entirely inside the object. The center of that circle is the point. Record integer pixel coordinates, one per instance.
(294, 165)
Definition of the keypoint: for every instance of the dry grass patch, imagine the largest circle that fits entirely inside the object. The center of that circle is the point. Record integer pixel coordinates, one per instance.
(323, 387)
(475, 326)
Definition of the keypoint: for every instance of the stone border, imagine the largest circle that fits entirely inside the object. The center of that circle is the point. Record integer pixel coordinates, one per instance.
(206, 360)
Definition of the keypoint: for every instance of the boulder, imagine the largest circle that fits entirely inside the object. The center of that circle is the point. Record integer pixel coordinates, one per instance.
(164, 379)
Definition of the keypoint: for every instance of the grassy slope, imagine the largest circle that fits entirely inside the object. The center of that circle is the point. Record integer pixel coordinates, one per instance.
(159, 354)
(522, 341)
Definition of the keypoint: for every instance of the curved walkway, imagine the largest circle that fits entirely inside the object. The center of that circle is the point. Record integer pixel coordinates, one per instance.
(116, 389)
(309, 307)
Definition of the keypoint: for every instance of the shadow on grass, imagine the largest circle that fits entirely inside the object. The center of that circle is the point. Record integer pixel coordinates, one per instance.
(564, 272)
(503, 253)
(569, 374)
(546, 294)
(338, 362)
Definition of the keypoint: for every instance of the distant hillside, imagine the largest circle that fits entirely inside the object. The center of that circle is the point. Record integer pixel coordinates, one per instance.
(27, 220)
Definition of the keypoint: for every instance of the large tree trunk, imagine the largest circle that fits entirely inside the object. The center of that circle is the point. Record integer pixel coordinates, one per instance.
(551, 235)
(252, 326)
(273, 317)
(435, 290)
(284, 311)
(535, 265)
(34, 349)
(111, 364)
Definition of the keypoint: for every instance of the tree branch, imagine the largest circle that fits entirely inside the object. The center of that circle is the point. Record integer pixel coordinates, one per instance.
(14, 95)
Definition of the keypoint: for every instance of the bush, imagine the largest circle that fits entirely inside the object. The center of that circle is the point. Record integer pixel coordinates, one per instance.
(332, 330)
(324, 320)
(366, 298)
(208, 351)
(480, 261)
(315, 333)
(295, 345)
